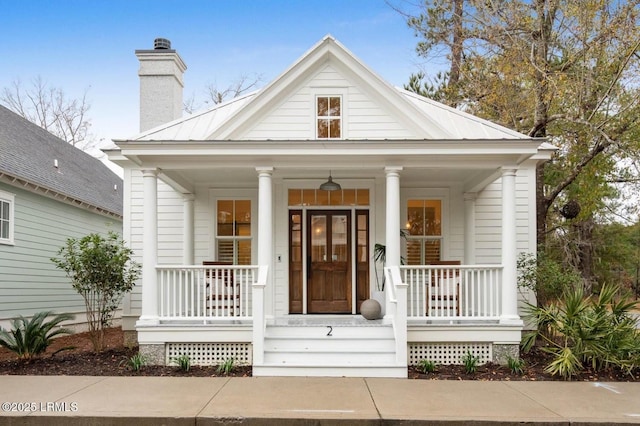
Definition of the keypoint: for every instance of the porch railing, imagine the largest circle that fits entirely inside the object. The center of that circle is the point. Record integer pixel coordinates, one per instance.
(396, 308)
(193, 292)
(453, 292)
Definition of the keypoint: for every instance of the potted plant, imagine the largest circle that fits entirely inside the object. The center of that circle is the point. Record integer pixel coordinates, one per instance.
(380, 257)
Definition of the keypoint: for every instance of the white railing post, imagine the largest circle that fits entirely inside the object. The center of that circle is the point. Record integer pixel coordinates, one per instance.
(397, 295)
(259, 322)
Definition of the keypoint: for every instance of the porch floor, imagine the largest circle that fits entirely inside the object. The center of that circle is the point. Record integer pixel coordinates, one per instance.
(321, 320)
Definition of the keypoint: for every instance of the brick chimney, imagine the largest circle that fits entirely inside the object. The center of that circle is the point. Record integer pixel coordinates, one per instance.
(161, 84)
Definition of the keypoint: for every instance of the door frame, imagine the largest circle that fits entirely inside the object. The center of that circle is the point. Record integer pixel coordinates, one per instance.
(353, 212)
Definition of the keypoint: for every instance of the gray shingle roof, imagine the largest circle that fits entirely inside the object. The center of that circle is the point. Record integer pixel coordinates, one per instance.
(27, 152)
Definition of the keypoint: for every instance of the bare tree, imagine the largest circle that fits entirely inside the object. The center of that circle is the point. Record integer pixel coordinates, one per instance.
(49, 107)
(215, 96)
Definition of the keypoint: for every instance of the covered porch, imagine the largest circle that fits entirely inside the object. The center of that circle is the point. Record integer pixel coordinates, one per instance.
(185, 302)
(221, 309)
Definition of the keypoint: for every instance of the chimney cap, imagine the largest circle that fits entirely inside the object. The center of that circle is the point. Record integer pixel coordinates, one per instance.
(161, 44)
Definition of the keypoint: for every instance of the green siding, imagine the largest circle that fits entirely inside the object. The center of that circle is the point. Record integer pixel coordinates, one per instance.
(29, 281)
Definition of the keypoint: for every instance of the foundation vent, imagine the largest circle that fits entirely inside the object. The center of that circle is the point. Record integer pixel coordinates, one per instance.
(448, 353)
(210, 353)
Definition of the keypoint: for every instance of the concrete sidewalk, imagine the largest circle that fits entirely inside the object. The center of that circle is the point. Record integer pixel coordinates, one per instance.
(80, 400)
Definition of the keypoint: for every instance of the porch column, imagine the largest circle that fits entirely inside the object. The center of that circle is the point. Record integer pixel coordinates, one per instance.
(509, 273)
(265, 259)
(265, 229)
(265, 216)
(187, 250)
(470, 228)
(392, 229)
(149, 314)
(392, 234)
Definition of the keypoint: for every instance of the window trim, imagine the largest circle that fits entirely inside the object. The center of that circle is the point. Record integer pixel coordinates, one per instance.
(235, 195)
(441, 194)
(329, 117)
(339, 92)
(10, 199)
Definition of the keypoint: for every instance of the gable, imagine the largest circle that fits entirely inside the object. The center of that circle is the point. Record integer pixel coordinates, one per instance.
(372, 109)
(329, 65)
(363, 118)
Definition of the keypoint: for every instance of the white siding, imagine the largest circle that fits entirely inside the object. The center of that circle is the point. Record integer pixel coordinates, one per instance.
(489, 218)
(294, 116)
(170, 230)
(281, 248)
(29, 281)
(203, 219)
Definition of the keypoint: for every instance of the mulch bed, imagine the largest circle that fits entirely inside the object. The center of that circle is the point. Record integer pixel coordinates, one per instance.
(82, 361)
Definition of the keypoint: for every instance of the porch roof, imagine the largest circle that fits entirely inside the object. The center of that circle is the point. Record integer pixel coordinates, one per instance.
(191, 162)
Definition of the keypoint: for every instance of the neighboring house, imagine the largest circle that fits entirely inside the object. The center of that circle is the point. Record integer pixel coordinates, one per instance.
(49, 191)
(249, 252)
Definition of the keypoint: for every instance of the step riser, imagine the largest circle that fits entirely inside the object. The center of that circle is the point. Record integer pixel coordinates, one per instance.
(329, 359)
(329, 345)
(395, 372)
(334, 331)
(331, 350)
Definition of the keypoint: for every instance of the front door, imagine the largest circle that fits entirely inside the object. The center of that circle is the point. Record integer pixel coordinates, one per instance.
(329, 261)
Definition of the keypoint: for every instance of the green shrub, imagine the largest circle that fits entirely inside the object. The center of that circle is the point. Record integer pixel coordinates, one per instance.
(135, 362)
(102, 272)
(470, 363)
(183, 362)
(547, 278)
(516, 365)
(426, 366)
(227, 366)
(29, 338)
(578, 331)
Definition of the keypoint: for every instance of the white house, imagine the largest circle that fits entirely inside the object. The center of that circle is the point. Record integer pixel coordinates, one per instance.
(247, 253)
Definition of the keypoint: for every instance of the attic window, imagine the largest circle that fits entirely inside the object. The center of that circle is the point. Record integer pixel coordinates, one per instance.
(329, 117)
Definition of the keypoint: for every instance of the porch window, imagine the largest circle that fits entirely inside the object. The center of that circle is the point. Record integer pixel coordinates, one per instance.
(424, 231)
(6, 218)
(233, 233)
(329, 117)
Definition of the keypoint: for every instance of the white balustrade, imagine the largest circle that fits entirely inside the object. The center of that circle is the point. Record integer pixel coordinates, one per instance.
(193, 292)
(453, 292)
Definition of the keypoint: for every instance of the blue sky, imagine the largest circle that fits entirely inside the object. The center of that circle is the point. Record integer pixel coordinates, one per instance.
(90, 44)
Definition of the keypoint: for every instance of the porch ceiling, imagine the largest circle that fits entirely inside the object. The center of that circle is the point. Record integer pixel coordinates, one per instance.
(185, 180)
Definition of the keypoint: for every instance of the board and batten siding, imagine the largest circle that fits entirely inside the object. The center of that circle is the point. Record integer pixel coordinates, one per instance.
(29, 281)
(294, 117)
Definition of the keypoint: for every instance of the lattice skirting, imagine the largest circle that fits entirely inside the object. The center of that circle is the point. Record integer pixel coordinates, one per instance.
(210, 353)
(448, 353)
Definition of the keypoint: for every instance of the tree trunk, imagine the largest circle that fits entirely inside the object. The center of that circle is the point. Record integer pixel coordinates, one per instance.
(456, 46)
(585, 252)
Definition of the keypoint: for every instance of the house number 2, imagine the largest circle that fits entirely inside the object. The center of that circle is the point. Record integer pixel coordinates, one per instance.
(330, 330)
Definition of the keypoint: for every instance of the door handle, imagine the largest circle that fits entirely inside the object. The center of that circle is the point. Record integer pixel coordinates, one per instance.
(308, 267)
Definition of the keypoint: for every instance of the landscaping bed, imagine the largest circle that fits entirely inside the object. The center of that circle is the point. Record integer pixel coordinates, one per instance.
(113, 361)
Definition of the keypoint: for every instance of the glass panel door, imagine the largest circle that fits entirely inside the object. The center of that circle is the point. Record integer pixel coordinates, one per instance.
(329, 262)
